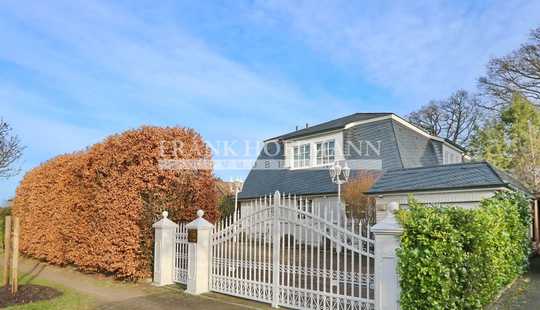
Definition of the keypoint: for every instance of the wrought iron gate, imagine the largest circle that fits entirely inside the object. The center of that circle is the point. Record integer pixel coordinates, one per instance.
(296, 253)
(181, 254)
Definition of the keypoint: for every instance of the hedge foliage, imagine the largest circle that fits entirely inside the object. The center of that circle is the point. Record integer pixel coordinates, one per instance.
(94, 209)
(455, 258)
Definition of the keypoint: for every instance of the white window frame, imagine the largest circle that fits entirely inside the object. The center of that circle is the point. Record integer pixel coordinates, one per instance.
(291, 145)
(302, 155)
(326, 157)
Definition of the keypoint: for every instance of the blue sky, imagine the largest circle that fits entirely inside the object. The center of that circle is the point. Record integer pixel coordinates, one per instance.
(74, 72)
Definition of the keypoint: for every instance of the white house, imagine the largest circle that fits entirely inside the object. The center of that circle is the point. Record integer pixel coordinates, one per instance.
(297, 163)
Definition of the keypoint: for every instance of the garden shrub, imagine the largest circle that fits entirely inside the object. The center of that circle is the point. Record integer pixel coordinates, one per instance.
(455, 258)
(94, 209)
(226, 205)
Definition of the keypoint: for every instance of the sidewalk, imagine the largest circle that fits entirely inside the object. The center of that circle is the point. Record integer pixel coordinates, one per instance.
(111, 294)
(525, 293)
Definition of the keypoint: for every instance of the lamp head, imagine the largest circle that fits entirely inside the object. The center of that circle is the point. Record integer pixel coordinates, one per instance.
(338, 168)
(346, 172)
(332, 171)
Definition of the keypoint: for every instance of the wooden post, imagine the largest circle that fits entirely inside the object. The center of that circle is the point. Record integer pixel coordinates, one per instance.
(15, 256)
(536, 225)
(7, 252)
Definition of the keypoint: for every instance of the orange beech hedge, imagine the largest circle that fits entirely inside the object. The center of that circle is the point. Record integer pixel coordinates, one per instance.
(94, 209)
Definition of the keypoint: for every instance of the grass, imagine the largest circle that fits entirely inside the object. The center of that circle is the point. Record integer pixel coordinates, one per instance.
(70, 299)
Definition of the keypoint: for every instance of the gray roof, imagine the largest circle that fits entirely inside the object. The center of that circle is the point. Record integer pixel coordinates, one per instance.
(444, 177)
(401, 147)
(335, 124)
(262, 182)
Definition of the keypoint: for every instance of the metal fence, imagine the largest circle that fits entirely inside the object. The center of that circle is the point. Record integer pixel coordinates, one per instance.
(181, 254)
(293, 252)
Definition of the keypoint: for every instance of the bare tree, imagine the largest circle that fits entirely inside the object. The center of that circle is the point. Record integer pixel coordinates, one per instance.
(10, 151)
(454, 118)
(517, 72)
(461, 116)
(429, 118)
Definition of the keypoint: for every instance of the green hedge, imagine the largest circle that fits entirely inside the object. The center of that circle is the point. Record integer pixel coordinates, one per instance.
(455, 258)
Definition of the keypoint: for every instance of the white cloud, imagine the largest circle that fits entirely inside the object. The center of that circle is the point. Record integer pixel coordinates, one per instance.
(42, 137)
(109, 53)
(84, 70)
(42, 134)
(417, 50)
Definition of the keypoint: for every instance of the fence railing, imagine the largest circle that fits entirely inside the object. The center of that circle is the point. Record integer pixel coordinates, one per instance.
(285, 254)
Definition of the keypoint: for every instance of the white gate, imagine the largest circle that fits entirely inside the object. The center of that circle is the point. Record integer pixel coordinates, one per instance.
(181, 254)
(296, 253)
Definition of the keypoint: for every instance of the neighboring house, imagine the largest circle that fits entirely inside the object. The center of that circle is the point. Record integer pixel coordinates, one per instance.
(297, 163)
(224, 188)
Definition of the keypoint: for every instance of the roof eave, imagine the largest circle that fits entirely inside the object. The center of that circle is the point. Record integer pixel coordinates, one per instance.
(283, 137)
(464, 150)
(406, 191)
(301, 195)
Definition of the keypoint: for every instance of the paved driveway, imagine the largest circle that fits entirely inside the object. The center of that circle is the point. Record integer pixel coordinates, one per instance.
(178, 300)
(111, 294)
(525, 293)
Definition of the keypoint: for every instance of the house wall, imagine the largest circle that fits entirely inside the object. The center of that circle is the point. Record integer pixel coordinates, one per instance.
(451, 156)
(321, 206)
(462, 198)
(327, 206)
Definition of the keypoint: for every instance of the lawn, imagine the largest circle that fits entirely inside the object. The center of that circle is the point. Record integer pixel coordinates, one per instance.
(70, 299)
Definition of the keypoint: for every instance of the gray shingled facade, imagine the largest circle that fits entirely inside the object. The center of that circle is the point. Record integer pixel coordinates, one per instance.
(401, 147)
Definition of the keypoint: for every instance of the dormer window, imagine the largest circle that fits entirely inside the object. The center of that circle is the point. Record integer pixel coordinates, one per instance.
(312, 152)
(302, 156)
(326, 152)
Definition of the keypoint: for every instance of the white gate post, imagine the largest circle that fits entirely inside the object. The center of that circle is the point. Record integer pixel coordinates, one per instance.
(199, 251)
(164, 250)
(387, 241)
(275, 248)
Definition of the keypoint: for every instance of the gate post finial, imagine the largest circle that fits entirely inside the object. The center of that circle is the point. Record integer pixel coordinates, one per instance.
(200, 213)
(277, 196)
(164, 247)
(387, 241)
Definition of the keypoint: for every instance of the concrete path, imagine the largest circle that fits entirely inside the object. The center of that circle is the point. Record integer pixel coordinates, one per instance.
(525, 292)
(111, 294)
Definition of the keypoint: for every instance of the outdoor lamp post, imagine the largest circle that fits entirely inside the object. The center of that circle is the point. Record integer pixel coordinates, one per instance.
(236, 187)
(339, 175)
